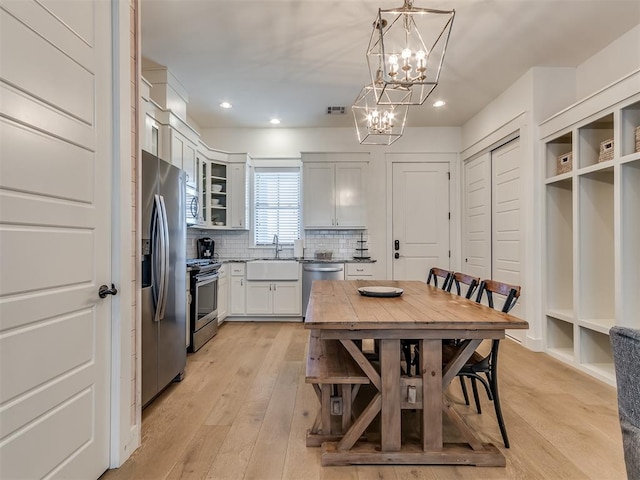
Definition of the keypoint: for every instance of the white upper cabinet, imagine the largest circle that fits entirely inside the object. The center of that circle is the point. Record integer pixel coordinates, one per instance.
(189, 163)
(334, 193)
(183, 156)
(349, 192)
(319, 194)
(223, 188)
(151, 141)
(238, 194)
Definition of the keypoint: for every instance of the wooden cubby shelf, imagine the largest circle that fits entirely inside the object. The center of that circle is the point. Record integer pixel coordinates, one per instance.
(630, 120)
(595, 353)
(592, 230)
(590, 136)
(560, 338)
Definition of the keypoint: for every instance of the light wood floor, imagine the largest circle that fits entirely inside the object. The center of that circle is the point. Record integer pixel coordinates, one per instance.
(243, 409)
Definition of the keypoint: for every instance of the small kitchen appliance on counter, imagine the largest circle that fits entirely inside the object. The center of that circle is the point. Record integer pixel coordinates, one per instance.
(206, 247)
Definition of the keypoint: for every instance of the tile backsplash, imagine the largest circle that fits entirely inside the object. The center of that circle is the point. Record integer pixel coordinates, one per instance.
(237, 244)
(342, 243)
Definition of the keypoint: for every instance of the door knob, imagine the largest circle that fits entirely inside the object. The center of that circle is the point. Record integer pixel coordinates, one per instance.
(396, 255)
(104, 290)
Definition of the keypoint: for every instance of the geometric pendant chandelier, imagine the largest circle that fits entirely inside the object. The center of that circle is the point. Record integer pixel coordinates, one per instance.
(406, 51)
(380, 124)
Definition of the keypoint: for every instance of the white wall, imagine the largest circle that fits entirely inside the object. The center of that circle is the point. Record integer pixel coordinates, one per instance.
(281, 142)
(613, 62)
(289, 142)
(538, 94)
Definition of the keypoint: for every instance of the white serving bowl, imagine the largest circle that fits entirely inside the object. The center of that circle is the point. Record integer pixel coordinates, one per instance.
(216, 188)
(215, 201)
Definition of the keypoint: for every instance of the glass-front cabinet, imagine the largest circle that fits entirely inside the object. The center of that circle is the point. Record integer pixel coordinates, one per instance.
(224, 180)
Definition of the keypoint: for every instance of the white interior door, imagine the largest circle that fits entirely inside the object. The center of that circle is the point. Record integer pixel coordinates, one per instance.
(506, 217)
(420, 219)
(55, 229)
(491, 221)
(477, 217)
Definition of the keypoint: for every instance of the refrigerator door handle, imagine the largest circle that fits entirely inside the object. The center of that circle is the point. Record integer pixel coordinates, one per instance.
(165, 249)
(158, 271)
(155, 248)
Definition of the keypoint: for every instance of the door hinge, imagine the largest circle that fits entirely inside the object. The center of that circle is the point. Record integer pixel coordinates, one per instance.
(449, 253)
(449, 175)
(449, 215)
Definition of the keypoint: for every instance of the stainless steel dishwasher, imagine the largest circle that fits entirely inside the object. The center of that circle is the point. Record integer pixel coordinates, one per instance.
(318, 271)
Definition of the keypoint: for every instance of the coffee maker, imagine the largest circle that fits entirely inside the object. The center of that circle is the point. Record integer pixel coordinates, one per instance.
(206, 246)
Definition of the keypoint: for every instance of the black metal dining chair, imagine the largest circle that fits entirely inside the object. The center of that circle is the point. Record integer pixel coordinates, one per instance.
(459, 278)
(486, 365)
(435, 276)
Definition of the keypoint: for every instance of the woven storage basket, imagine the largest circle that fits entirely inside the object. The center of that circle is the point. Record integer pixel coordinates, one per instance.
(606, 151)
(564, 163)
(638, 138)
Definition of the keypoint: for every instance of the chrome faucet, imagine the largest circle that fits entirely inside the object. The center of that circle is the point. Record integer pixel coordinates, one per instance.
(277, 244)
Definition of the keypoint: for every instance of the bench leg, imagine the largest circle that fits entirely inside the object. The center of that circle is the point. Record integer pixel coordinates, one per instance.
(321, 430)
(347, 402)
(325, 408)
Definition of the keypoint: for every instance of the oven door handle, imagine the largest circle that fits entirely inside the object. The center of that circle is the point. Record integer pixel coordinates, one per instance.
(204, 279)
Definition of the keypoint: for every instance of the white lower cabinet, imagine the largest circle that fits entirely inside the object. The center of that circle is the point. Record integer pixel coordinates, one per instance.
(262, 297)
(259, 298)
(274, 298)
(359, 271)
(223, 293)
(238, 289)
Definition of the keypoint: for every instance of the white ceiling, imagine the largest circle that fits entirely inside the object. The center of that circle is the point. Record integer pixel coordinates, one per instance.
(294, 58)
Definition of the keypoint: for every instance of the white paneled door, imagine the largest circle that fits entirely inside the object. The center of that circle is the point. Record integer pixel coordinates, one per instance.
(55, 229)
(477, 217)
(420, 219)
(492, 219)
(506, 217)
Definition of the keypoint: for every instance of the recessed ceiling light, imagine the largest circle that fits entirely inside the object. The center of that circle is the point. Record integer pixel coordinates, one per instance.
(226, 105)
(274, 121)
(439, 103)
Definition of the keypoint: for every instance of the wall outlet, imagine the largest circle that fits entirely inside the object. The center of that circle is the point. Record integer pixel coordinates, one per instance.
(411, 394)
(336, 405)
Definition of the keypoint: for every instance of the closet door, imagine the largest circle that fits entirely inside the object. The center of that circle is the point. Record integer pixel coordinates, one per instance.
(477, 217)
(506, 265)
(491, 220)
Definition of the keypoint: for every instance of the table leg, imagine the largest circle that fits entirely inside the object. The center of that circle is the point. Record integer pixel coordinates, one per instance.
(391, 410)
(431, 372)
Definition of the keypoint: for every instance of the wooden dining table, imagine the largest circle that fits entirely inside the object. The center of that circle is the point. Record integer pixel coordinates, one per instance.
(337, 311)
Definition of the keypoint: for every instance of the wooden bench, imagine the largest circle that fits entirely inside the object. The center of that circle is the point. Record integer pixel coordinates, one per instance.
(336, 379)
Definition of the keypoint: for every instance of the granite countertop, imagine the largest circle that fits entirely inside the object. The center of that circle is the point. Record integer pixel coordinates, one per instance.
(302, 260)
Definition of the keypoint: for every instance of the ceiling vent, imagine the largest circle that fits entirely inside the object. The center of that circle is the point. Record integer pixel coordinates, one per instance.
(336, 110)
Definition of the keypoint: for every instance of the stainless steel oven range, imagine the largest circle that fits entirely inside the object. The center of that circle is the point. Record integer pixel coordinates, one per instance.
(203, 315)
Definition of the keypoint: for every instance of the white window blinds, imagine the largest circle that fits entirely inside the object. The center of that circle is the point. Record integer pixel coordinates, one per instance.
(276, 205)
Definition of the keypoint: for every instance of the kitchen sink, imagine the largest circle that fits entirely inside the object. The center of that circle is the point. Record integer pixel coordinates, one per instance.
(272, 270)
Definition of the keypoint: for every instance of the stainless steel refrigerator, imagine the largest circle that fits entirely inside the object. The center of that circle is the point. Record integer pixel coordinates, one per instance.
(163, 275)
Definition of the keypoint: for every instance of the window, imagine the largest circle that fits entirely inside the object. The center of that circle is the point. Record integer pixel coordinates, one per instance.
(276, 205)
